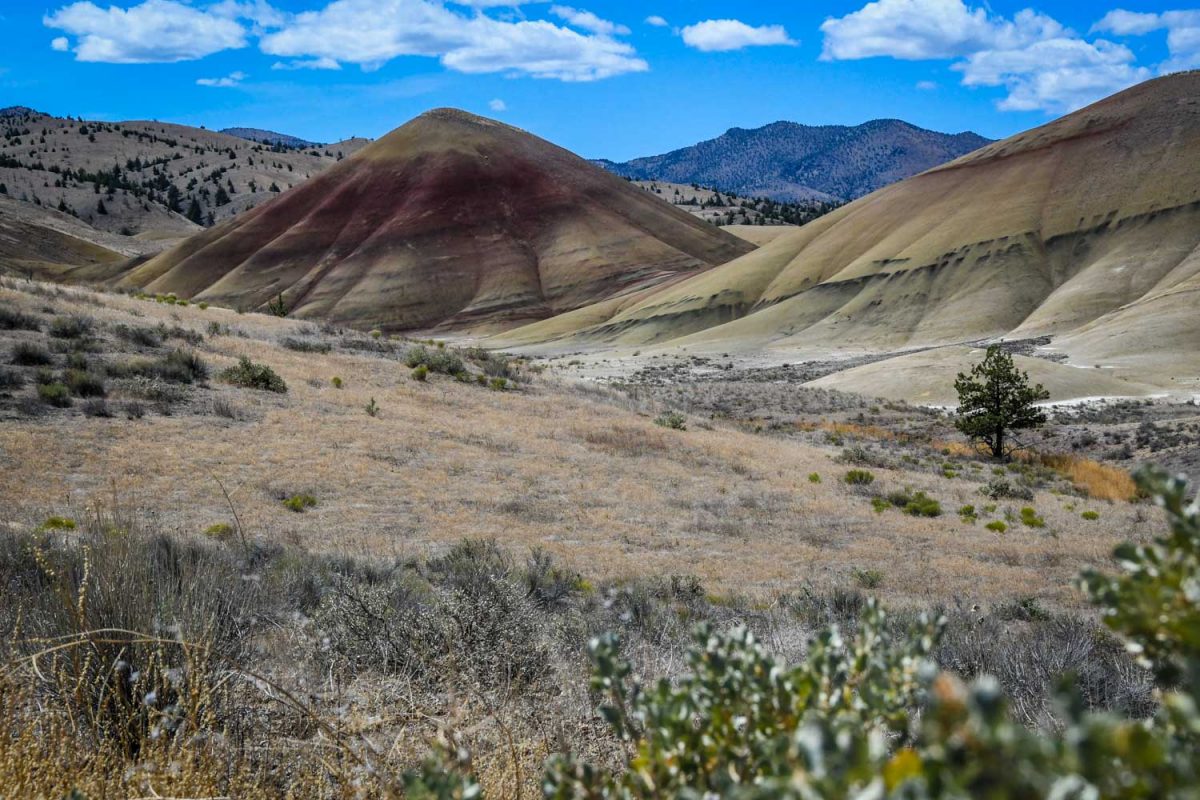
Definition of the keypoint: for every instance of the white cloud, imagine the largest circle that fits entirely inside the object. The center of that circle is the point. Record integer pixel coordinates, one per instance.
(259, 12)
(1127, 23)
(542, 50)
(1055, 75)
(924, 29)
(372, 32)
(364, 32)
(586, 20)
(1042, 64)
(1182, 27)
(716, 35)
(657, 21)
(232, 79)
(153, 31)
(498, 105)
(306, 63)
(926, 86)
(60, 43)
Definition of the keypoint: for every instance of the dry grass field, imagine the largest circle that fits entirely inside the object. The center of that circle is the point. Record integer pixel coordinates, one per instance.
(581, 471)
(214, 590)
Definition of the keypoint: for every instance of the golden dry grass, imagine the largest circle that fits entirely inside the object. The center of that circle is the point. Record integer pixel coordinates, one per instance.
(594, 483)
(1091, 477)
(1097, 480)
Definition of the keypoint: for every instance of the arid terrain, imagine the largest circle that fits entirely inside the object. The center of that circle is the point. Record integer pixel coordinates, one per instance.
(130, 188)
(408, 477)
(1022, 239)
(405, 552)
(730, 500)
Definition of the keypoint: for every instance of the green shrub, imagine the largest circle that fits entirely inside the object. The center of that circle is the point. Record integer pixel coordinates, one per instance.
(72, 327)
(57, 523)
(967, 514)
(54, 394)
(203, 306)
(420, 373)
(859, 477)
(84, 384)
(868, 578)
(182, 366)
(1030, 519)
(871, 715)
(337, 382)
(1090, 516)
(498, 384)
(13, 320)
(221, 531)
(671, 419)
(300, 503)
(1001, 489)
(305, 345)
(880, 504)
(814, 477)
(249, 375)
(921, 505)
(29, 354)
(441, 361)
(997, 525)
(11, 379)
(372, 408)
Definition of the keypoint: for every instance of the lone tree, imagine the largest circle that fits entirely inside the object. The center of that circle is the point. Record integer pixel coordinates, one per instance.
(994, 400)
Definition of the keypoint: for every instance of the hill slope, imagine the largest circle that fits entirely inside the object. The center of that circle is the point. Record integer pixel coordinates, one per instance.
(1024, 238)
(141, 177)
(450, 221)
(272, 138)
(788, 161)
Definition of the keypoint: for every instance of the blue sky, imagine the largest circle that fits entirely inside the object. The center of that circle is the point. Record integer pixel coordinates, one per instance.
(605, 78)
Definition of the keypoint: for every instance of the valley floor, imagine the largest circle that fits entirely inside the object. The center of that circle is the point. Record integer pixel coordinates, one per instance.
(416, 542)
(580, 470)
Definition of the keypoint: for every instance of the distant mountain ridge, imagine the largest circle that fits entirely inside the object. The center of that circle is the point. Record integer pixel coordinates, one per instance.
(263, 136)
(791, 162)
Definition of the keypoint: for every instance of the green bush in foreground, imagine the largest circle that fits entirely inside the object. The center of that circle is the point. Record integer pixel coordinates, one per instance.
(873, 717)
(300, 503)
(249, 375)
(671, 419)
(860, 477)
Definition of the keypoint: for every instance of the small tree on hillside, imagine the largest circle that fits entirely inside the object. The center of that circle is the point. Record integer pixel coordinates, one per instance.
(996, 399)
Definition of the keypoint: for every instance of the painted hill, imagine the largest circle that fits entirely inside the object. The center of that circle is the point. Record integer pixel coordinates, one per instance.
(791, 162)
(1086, 230)
(451, 221)
(271, 138)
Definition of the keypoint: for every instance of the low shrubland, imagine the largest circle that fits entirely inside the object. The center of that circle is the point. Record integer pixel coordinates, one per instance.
(250, 375)
(127, 675)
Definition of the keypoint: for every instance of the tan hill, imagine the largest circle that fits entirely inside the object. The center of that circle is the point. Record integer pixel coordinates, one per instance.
(1085, 230)
(145, 178)
(42, 243)
(451, 221)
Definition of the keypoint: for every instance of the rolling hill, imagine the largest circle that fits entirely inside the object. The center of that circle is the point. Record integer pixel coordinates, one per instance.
(790, 162)
(452, 221)
(149, 183)
(272, 138)
(1085, 230)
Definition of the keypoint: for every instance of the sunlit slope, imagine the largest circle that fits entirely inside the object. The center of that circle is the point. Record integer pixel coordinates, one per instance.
(1085, 229)
(452, 221)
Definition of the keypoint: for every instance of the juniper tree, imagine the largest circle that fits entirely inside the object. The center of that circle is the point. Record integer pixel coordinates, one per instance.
(996, 399)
